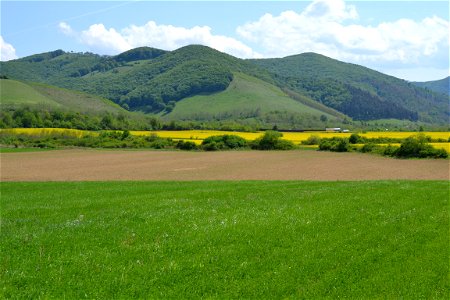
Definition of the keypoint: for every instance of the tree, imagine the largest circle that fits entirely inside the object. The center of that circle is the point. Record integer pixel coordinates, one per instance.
(355, 138)
(107, 122)
(271, 140)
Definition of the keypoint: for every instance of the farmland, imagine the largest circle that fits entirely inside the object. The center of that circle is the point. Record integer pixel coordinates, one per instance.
(199, 135)
(266, 239)
(277, 224)
(439, 140)
(96, 164)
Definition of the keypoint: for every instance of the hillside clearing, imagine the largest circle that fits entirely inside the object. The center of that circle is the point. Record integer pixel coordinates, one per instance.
(18, 93)
(245, 97)
(80, 165)
(37, 95)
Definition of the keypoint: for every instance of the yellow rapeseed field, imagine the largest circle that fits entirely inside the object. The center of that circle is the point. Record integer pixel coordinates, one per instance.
(445, 146)
(295, 137)
(49, 131)
(405, 134)
(197, 136)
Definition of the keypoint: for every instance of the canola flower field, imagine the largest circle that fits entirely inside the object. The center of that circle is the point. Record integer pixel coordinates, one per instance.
(197, 136)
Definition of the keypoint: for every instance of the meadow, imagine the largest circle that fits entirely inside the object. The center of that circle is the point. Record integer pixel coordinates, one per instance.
(250, 239)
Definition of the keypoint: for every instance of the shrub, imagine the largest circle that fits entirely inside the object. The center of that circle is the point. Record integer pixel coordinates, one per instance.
(125, 134)
(271, 140)
(368, 148)
(152, 137)
(186, 145)
(410, 147)
(312, 140)
(224, 142)
(211, 146)
(418, 147)
(432, 152)
(335, 145)
(356, 139)
(390, 150)
(160, 143)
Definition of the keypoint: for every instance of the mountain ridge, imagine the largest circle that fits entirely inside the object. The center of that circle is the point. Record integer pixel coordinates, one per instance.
(154, 81)
(441, 86)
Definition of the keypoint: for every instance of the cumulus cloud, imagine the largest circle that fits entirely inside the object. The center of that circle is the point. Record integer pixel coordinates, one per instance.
(107, 41)
(7, 51)
(65, 28)
(330, 27)
(168, 37)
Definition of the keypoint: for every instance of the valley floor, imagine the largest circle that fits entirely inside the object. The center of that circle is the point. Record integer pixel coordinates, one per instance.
(93, 165)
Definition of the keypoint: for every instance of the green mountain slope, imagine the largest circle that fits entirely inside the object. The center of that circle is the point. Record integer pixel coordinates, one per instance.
(441, 86)
(247, 97)
(140, 79)
(15, 94)
(354, 90)
(195, 82)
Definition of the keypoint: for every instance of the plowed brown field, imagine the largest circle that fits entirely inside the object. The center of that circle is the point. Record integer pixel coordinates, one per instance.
(78, 165)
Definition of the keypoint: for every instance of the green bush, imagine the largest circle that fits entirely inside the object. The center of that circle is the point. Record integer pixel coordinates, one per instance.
(160, 143)
(312, 140)
(356, 139)
(271, 140)
(224, 142)
(390, 150)
(335, 145)
(368, 148)
(186, 145)
(418, 147)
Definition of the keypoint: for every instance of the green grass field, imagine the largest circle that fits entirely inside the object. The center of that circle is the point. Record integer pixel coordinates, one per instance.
(387, 239)
(16, 94)
(244, 94)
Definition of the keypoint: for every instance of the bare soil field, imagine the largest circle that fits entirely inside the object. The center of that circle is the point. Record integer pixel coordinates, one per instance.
(90, 165)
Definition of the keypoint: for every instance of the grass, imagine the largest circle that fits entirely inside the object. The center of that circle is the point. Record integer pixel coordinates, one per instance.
(386, 239)
(19, 93)
(15, 150)
(244, 95)
(15, 93)
(78, 101)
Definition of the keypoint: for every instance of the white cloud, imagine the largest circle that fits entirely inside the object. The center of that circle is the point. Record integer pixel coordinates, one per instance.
(65, 28)
(332, 10)
(107, 41)
(7, 51)
(330, 27)
(168, 37)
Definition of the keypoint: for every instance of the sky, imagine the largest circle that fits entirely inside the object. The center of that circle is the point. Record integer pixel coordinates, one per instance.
(406, 39)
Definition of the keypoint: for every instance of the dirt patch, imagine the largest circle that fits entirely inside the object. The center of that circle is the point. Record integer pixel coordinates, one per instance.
(78, 165)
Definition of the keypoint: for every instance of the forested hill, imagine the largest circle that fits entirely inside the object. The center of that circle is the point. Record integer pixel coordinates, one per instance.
(441, 86)
(146, 79)
(153, 81)
(355, 90)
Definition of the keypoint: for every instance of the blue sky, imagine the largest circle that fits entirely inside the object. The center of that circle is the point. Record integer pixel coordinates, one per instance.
(407, 39)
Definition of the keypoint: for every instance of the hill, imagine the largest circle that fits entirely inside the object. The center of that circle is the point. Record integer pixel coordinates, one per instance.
(248, 97)
(441, 86)
(354, 90)
(143, 79)
(199, 83)
(191, 83)
(15, 94)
